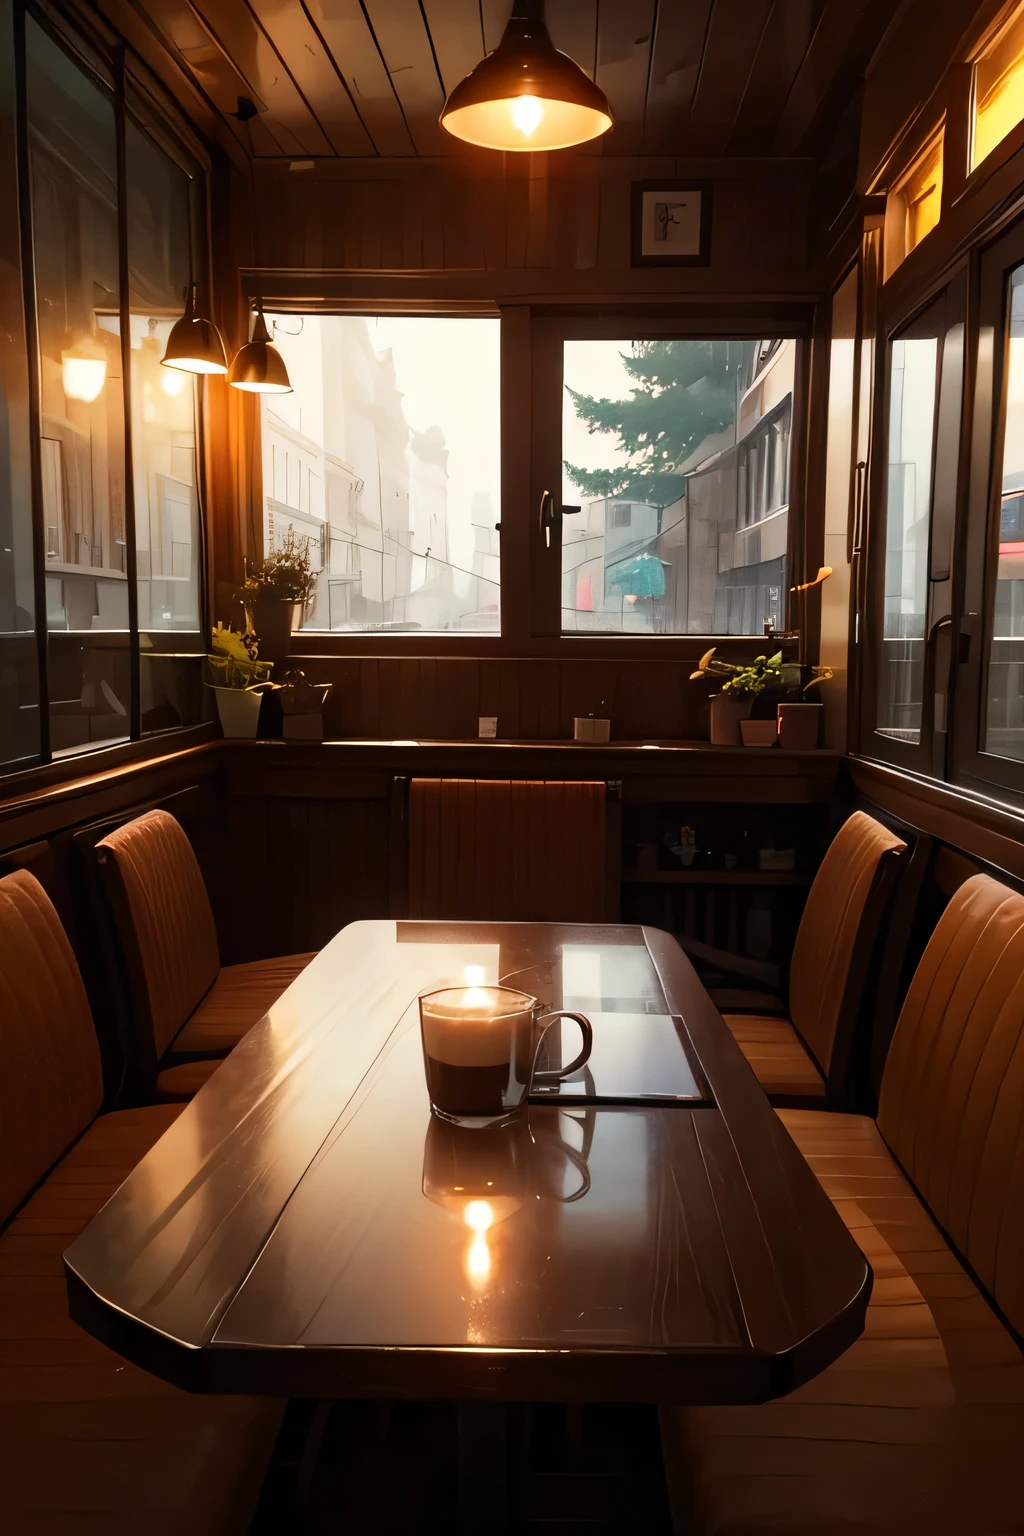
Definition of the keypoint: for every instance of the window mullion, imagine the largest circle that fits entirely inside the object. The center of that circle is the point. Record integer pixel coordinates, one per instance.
(131, 567)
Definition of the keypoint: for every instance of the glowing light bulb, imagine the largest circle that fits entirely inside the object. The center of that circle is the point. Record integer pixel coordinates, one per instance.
(478, 1216)
(527, 114)
(83, 377)
(172, 381)
(478, 1262)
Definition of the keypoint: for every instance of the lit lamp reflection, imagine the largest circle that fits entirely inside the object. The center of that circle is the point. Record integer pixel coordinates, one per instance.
(479, 1217)
(83, 370)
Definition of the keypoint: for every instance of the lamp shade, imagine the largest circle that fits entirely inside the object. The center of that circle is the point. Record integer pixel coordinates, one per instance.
(526, 95)
(195, 345)
(258, 366)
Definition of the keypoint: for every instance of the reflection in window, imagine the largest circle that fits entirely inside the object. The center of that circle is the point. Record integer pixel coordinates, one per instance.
(912, 385)
(999, 88)
(921, 194)
(74, 212)
(387, 459)
(1004, 723)
(679, 452)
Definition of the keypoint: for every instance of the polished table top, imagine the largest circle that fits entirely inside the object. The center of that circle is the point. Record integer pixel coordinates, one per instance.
(302, 1229)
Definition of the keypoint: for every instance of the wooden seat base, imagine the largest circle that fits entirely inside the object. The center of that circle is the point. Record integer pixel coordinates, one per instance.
(238, 999)
(90, 1445)
(781, 1063)
(916, 1428)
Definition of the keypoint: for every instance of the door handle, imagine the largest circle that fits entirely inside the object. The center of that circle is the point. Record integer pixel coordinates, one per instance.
(546, 516)
(859, 486)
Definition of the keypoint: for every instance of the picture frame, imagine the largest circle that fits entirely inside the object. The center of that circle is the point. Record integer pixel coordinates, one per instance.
(675, 215)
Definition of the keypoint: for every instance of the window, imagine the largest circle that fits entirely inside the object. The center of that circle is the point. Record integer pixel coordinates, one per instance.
(914, 205)
(386, 458)
(696, 434)
(998, 88)
(913, 595)
(116, 509)
(1004, 693)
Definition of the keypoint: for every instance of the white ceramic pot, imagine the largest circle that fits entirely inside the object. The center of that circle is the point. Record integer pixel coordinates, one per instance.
(239, 711)
(726, 714)
(758, 733)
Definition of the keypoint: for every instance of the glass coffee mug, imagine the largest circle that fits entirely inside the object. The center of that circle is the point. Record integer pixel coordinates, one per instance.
(480, 1049)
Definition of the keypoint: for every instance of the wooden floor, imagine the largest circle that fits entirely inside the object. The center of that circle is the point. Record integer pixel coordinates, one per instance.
(395, 1468)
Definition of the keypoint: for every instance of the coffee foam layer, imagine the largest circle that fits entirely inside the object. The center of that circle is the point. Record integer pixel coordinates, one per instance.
(459, 1040)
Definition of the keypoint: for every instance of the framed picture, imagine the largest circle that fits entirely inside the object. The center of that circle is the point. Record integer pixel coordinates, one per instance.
(671, 224)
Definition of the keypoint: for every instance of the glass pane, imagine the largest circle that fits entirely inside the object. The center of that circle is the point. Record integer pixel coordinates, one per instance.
(678, 453)
(19, 676)
(913, 372)
(74, 210)
(1004, 721)
(999, 88)
(387, 459)
(922, 194)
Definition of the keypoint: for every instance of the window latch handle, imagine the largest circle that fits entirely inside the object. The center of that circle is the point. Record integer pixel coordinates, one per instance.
(546, 516)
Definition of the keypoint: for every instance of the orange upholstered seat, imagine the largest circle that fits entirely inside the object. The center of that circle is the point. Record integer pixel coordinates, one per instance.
(806, 1055)
(512, 850)
(88, 1443)
(184, 1003)
(919, 1426)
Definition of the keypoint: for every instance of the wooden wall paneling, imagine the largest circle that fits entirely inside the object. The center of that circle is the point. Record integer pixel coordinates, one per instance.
(734, 34)
(369, 698)
(573, 28)
(783, 45)
(288, 115)
(832, 67)
(457, 34)
(410, 201)
(675, 69)
(401, 34)
(625, 38)
(342, 25)
(489, 691)
(517, 208)
(312, 68)
(537, 246)
(433, 219)
(509, 718)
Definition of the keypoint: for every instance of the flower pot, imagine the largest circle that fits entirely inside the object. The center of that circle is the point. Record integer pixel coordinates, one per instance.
(758, 733)
(239, 711)
(799, 725)
(726, 714)
(274, 619)
(586, 728)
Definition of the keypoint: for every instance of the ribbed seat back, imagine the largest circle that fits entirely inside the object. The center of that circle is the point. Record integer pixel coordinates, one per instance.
(512, 850)
(50, 1080)
(158, 894)
(839, 908)
(952, 1101)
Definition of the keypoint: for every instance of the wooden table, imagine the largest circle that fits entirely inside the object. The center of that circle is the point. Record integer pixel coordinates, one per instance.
(279, 1239)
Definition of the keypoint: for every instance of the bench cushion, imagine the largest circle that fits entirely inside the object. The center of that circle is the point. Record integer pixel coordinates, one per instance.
(238, 999)
(181, 1082)
(90, 1445)
(775, 1052)
(911, 1430)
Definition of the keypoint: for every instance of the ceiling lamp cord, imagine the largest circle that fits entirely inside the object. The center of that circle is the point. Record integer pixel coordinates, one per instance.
(526, 95)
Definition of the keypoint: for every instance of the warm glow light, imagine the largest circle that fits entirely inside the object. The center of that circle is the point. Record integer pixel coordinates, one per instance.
(474, 975)
(478, 1262)
(83, 377)
(193, 365)
(478, 1216)
(527, 113)
(999, 89)
(172, 382)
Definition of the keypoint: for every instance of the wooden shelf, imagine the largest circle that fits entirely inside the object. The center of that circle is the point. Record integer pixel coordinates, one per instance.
(716, 877)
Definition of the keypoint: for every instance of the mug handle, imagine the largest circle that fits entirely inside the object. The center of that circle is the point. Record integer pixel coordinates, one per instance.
(586, 1030)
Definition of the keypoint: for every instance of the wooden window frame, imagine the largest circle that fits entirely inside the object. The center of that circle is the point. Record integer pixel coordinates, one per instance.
(531, 374)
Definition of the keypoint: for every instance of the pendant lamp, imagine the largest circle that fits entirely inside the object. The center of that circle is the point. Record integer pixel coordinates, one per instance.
(83, 367)
(195, 345)
(258, 366)
(526, 95)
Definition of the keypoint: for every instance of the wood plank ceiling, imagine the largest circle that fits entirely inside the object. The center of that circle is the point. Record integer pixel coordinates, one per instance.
(368, 77)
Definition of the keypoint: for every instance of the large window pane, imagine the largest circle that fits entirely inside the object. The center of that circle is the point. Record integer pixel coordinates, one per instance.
(998, 88)
(1004, 721)
(913, 377)
(74, 210)
(678, 453)
(387, 458)
(163, 416)
(19, 678)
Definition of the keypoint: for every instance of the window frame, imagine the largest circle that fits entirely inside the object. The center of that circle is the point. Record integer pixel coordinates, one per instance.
(106, 67)
(971, 766)
(928, 755)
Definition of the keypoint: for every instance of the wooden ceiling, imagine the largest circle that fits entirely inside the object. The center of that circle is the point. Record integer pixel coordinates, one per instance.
(368, 77)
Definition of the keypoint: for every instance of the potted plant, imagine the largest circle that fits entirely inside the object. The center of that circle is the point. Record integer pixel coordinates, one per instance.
(800, 717)
(746, 688)
(235, 673)
(276, 596)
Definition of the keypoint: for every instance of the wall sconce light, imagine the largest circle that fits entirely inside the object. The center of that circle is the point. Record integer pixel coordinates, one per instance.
(526, 95)
(258, 366)
(195, 345)
(83, 367)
